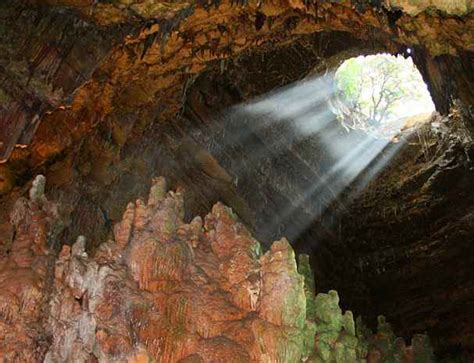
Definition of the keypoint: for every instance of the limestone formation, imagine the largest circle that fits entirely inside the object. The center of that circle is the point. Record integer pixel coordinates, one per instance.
(162, 290)
(26, 267)
(99, 96)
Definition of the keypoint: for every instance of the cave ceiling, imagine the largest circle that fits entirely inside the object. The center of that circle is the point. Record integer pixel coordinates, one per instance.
(93, 78)
(102, 96)
(73, 64)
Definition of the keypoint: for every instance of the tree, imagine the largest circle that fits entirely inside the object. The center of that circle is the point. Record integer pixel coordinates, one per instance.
(373, 92)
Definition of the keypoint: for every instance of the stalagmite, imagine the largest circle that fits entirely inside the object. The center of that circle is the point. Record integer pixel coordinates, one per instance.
(166, 291)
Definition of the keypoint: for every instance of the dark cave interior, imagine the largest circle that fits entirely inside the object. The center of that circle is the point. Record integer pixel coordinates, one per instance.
(100, 107)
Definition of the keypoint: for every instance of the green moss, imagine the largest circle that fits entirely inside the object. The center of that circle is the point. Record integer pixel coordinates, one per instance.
(308, 338)
(257, 250)
(431, 11)
(348, 323)
(157, 191)
(363, 333)
(423, 353)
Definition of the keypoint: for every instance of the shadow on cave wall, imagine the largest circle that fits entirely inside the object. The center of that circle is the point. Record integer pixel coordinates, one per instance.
(96, 179)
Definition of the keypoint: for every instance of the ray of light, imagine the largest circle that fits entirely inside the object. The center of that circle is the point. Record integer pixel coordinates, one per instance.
(268, 127)
(294, 100)
(299, 110)
(383, 159)
(340, 176)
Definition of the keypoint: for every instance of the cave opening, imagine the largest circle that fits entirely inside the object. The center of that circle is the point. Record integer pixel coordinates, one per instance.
(302, 129)
(175, 136)
(381, 94)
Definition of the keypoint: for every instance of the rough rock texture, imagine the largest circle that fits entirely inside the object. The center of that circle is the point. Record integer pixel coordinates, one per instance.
(138, 52)
(404, 245)
(162, 290)
(453, 7)
(403, 248)
(26, 265)
(93, 94)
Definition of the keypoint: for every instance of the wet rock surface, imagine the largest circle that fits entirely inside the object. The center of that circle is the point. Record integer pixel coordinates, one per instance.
(26, 267)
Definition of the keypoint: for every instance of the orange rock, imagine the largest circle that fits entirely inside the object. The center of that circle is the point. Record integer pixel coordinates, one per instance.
(164, 291)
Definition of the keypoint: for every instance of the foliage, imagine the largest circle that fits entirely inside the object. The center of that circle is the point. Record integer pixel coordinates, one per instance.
(376, 92)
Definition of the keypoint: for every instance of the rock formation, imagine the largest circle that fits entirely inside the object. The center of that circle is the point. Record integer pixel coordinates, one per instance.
(101, 96)
(26, 267)
(161, 290)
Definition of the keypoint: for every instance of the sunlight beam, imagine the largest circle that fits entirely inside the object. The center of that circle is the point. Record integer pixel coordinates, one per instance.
(272, 126)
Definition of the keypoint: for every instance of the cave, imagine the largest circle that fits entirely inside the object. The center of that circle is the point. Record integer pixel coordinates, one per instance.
(175, 185)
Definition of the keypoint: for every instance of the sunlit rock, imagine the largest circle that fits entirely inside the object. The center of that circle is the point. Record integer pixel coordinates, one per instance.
(168, 291)
(450, 7)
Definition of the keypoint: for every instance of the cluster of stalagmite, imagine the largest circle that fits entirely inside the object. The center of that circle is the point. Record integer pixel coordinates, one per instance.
(26, 265)
(162, 290)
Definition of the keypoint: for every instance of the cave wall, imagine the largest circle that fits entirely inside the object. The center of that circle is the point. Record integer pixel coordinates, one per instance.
(142, 57)
(102, 97)
(90, 101)
(258, 150)
(403, 247)
(404, 244)
(448, 78)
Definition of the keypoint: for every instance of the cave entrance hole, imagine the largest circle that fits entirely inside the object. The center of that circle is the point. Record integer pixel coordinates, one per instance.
(382, 95)
(328, 135)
